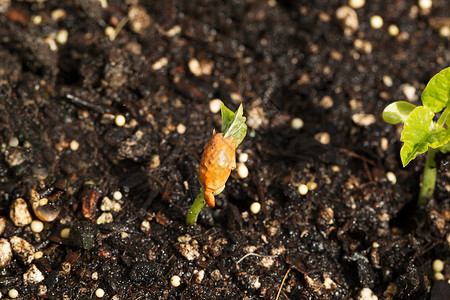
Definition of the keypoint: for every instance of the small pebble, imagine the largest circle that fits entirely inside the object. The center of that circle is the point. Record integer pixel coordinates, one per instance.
(215, 105)
(376, 22)
(357, 3)
(99, 293)
(194, 67)
(438, 265)
(391, 177)
(384, 143)
(303, 189)
(65, 233)
(367, 294)
(393, 30)
(439, 276)
(363, 119)
(216, 275)
(36, 19)
(243, 157)
(58, 14)
(387, 80)
(444, 31)
(181, 129)
(140, 21)
(154, 161)
(242, 170)
(62, 36)
(425, 4)
(323, 138)
(160, 63)
(13, 293)
(175, 280)
(13, 142)
(94, 276)
(38, 254)
(22, 249)
(74, 145)
(19, 213)
(110, 32)
(255, 207)
(410, 92)
(199, 276)
(33, 275)
(105, 218)
(42, 291)
(120, 120)
(117, 195)
(348, 19)
(297, 123)
(5, 253)
(311, 185)
(326, 102)
(37, 226)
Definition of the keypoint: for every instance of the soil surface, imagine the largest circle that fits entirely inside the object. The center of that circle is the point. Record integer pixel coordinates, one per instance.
(66, 72)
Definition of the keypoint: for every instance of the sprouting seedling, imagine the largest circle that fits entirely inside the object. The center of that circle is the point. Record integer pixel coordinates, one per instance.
(218, 160)
(421, 132)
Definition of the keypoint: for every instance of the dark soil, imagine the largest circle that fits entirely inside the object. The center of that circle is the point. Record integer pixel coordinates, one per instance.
(280, 59)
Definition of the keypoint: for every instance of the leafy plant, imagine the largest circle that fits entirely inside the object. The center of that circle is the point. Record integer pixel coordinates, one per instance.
(421, 133)
(218, 159)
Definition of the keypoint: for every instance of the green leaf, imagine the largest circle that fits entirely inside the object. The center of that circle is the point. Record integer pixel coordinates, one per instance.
(397, 112)
(233, 124)
(420, 132)
(436, 94)
(445, 148)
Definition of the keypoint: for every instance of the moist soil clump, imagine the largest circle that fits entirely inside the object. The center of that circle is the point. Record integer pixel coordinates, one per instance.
(104, 113)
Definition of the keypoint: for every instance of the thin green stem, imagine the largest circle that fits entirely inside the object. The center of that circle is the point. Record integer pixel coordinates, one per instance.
(196, 207)
(428, 177)
(444, 118)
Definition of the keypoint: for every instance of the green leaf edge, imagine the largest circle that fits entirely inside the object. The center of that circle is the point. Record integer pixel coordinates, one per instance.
(397, 112)
(233, 123)
(436, 94)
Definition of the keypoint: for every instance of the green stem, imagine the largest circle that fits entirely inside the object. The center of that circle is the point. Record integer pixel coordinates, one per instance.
(428, 178)
(196, 207)
(444, 118)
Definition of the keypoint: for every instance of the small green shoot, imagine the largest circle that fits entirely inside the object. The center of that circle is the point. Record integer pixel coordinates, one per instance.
(421, 131)
(233, 124)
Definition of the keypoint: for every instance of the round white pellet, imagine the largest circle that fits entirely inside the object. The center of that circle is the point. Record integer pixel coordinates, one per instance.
(297, 123)
(255, 207)
(14, 142)
(444, 31)
(425, 4)
(391, 177)
(74, 145)
(375, 245)
(356, 3)
(242, 170)
(376, 22)
(175, 280)
(99, 293)
(37, 226)
(181, 129)
(117, 195)
(215, 105)
(393, 30)
(387, 80)
(65, 233)
(439, 276)
(303, 189)
(243, 157)
(62, 36)
(13, 293)
(120, 120)
(38, 255)
(438, 265)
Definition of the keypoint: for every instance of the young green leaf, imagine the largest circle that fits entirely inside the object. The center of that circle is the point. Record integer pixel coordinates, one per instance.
(419, 133)
(397, 112)
(436, 94)
(233, 124)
